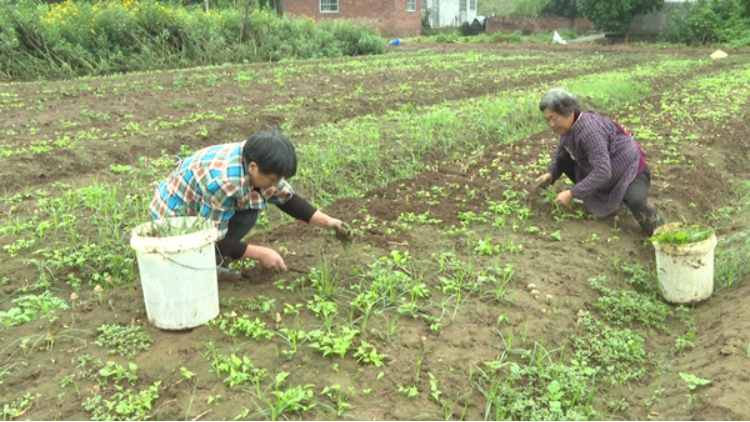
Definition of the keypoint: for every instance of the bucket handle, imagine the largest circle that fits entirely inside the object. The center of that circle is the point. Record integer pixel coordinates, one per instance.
(186, 266)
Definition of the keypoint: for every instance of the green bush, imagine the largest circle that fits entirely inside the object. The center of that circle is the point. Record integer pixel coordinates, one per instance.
(706, 21)
(85, 38)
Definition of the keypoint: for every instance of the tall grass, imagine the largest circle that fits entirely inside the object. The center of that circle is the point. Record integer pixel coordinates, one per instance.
(86, 38)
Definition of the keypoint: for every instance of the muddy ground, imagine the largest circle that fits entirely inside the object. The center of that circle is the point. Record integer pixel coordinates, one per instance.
(468, 334)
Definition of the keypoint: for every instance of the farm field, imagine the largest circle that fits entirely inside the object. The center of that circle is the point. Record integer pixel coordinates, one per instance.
(462, 297)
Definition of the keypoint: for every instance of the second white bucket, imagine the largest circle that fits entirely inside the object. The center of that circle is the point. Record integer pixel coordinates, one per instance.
(178, 276)
(686, 271)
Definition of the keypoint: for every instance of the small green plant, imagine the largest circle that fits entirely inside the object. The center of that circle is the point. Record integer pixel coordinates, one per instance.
(232, 324)
(324, 280)
(591, 240)
(186, 373)
(434, 392)
(693, 381)
(331, 344)
(119, 373)
(408, 391)
(17, 407)
(335, 393)
(124, 405)
(31, 307)
(125, 341)
(367, 353)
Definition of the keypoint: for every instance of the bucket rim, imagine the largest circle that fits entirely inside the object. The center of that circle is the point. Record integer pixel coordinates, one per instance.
(684, 248)
(172, 244)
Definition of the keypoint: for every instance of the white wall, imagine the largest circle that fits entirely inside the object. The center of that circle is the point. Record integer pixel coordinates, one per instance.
(447, 13)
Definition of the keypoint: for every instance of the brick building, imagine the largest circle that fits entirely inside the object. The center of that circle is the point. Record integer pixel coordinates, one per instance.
(394, 18)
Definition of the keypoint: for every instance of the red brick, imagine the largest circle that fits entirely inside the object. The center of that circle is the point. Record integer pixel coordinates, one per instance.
(542, 24)
(388, 16)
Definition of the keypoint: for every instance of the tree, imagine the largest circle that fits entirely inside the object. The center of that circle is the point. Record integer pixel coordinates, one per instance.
(565, 8)
(615, 15)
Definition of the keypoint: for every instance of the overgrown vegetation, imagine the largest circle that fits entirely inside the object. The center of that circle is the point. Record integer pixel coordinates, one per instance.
(93, 38)
(706, 21)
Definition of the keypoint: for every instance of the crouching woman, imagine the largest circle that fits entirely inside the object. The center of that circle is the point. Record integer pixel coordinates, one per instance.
(608, 168)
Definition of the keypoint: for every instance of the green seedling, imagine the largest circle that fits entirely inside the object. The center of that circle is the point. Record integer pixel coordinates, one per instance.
(18, 407)
(123, 405)
(367, 353)
(408, 391)
(331, 344)
(693, 381)
(186, 373)
(434, 392)
(334, 392)
(125, 341)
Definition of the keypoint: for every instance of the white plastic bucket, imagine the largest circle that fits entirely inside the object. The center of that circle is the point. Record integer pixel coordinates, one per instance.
(686, 271)
(178, 275)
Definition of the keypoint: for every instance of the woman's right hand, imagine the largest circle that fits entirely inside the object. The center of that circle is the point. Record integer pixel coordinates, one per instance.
(268, 258)
(545, 179)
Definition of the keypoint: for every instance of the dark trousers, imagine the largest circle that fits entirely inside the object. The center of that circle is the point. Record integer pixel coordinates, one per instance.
(239, 226)
(635, 196)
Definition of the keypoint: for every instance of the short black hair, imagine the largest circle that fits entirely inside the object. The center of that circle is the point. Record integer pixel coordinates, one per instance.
(273, 152)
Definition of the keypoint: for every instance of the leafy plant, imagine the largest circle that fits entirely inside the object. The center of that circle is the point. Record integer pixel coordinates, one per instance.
(331, 344)
(31, 307)
(124, 405)
(682, 234)
(628, 305)
(367, 353)
(17, 407)
(693, 381)
(125, 341)
(617, 353)
(335, 392)
(538, 390)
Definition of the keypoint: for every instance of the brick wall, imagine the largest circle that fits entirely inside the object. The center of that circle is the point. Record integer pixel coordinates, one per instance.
(389, 16)
(542, 24)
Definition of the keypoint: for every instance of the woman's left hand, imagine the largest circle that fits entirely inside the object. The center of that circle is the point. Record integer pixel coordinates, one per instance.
(564, 198)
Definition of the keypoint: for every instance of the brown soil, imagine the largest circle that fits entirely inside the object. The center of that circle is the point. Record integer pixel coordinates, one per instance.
(467, 337)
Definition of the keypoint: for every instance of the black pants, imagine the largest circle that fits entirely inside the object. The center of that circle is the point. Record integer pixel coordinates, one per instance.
(635, 196)
(239, 226)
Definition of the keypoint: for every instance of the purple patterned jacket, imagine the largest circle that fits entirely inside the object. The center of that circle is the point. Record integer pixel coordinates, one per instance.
(607, 159)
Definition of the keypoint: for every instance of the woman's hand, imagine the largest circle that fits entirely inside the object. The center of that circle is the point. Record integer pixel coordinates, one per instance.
(334, 223)
(268, 258)
(564, 198)
(322, 220)
(545, 179)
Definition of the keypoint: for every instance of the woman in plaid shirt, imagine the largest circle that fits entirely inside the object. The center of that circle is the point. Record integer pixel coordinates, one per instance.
(230, 184)
(608, 168)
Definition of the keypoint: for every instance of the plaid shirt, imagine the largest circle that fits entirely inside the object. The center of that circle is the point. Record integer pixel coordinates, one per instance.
(213, 183)
(607, 160)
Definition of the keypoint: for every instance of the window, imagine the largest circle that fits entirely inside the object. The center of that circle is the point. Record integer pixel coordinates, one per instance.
(329, 6)
(411, 5)
(473, 5)
(462, 5)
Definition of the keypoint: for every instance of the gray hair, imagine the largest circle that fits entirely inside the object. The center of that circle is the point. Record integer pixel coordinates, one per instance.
(560, 101)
